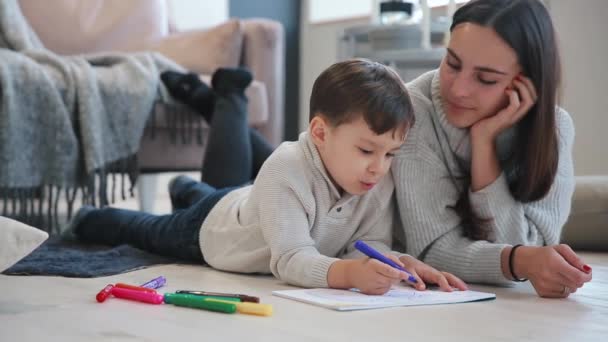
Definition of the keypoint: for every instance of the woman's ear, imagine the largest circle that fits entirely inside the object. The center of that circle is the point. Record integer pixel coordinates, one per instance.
(318, 129)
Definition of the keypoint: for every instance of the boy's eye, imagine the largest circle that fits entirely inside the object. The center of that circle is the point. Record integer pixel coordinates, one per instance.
(452, 64)
(390, 155)
(364, 151)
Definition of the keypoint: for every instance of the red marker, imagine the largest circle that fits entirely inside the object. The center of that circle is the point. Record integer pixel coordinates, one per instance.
(140, 296)
(103, 294)
(133, 287)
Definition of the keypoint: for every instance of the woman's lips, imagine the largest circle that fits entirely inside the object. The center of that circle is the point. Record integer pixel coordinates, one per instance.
(457, 106)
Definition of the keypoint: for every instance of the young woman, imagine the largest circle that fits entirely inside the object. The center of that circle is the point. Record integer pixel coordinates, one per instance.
(485, 179)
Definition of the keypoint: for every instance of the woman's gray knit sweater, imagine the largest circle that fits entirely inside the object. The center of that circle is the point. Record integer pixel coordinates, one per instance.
(428, 174)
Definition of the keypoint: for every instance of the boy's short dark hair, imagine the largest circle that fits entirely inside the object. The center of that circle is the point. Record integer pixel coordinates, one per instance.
(355, 87)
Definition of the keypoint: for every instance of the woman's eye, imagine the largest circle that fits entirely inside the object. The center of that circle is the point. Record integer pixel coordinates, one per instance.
(364, 151)
(390, 155)
(486, 82)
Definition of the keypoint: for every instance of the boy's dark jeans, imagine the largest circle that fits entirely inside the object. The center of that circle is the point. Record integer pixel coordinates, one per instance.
(233, 158)
(174, 235)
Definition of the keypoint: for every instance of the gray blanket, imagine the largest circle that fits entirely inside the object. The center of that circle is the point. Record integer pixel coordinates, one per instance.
(66, 121)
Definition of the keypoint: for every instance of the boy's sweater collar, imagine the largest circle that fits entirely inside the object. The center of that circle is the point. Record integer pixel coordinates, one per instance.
(314, 158)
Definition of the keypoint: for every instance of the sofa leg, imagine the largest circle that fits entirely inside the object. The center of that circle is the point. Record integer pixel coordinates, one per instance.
(146, 192)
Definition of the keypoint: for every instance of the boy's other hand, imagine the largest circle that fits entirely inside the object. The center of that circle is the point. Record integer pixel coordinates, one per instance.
(426, 274)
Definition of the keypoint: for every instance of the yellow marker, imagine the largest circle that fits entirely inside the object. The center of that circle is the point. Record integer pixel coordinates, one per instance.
(247, 307)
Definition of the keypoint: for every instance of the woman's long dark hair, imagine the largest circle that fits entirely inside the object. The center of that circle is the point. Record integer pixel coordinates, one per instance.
(526, 26)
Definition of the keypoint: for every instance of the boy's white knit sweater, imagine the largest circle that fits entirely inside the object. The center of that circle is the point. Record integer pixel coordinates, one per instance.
(293, 222)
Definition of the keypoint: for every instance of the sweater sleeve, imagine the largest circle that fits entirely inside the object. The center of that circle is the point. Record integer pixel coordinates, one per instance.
(285, 226)
(536, 223)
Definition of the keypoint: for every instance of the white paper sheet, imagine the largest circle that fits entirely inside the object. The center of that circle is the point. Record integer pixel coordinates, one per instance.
(347, 300)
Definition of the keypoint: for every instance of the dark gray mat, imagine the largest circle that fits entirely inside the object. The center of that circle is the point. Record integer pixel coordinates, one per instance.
(68, 258)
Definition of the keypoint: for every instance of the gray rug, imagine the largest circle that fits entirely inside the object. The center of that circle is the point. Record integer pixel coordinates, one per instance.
(68, 258)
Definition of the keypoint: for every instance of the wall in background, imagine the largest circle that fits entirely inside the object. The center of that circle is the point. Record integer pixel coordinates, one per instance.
(322, 10)
(581, 27)
(319, 49)
(287, 12)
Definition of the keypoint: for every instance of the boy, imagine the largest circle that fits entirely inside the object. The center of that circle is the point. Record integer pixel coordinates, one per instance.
(311, 200)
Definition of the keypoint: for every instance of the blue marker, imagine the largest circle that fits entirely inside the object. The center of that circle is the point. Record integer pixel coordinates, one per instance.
(374, 254)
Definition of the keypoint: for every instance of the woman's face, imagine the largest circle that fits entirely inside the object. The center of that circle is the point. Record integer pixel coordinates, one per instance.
(474, 74)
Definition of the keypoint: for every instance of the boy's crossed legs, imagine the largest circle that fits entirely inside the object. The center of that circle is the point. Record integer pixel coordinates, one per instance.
(233, 157)
(174, 235)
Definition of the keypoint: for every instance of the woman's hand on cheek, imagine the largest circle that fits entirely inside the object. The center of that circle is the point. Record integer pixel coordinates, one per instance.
(521, 97)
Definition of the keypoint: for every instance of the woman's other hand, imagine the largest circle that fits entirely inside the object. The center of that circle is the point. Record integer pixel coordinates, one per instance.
(554, 271)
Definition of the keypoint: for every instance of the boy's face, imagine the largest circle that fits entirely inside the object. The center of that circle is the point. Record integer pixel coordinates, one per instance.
(354, 156)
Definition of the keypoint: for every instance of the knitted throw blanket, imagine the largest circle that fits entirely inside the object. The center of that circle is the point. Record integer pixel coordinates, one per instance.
(67, 121)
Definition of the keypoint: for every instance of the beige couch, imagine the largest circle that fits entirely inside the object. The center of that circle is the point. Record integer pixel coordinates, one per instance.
(587, 226)
(75, 27)
(71, 27)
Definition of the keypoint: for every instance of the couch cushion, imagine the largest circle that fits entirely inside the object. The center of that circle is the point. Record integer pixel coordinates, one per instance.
(17, 240)
(203, 51)
(76, 26)
(587, 226)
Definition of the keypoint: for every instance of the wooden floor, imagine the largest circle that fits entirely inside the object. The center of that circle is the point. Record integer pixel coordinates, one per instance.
(64, 309)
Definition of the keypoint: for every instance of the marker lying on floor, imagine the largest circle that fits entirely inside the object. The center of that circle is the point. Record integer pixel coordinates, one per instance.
(155, 283)
(199, 302)
(242, 297)
(133, 287)
(140, 296)
(221, 304)
(103, 294)
(247, 308)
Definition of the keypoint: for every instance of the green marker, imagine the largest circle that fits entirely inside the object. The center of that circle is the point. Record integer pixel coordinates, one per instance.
(199, 302)
(191, 295)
